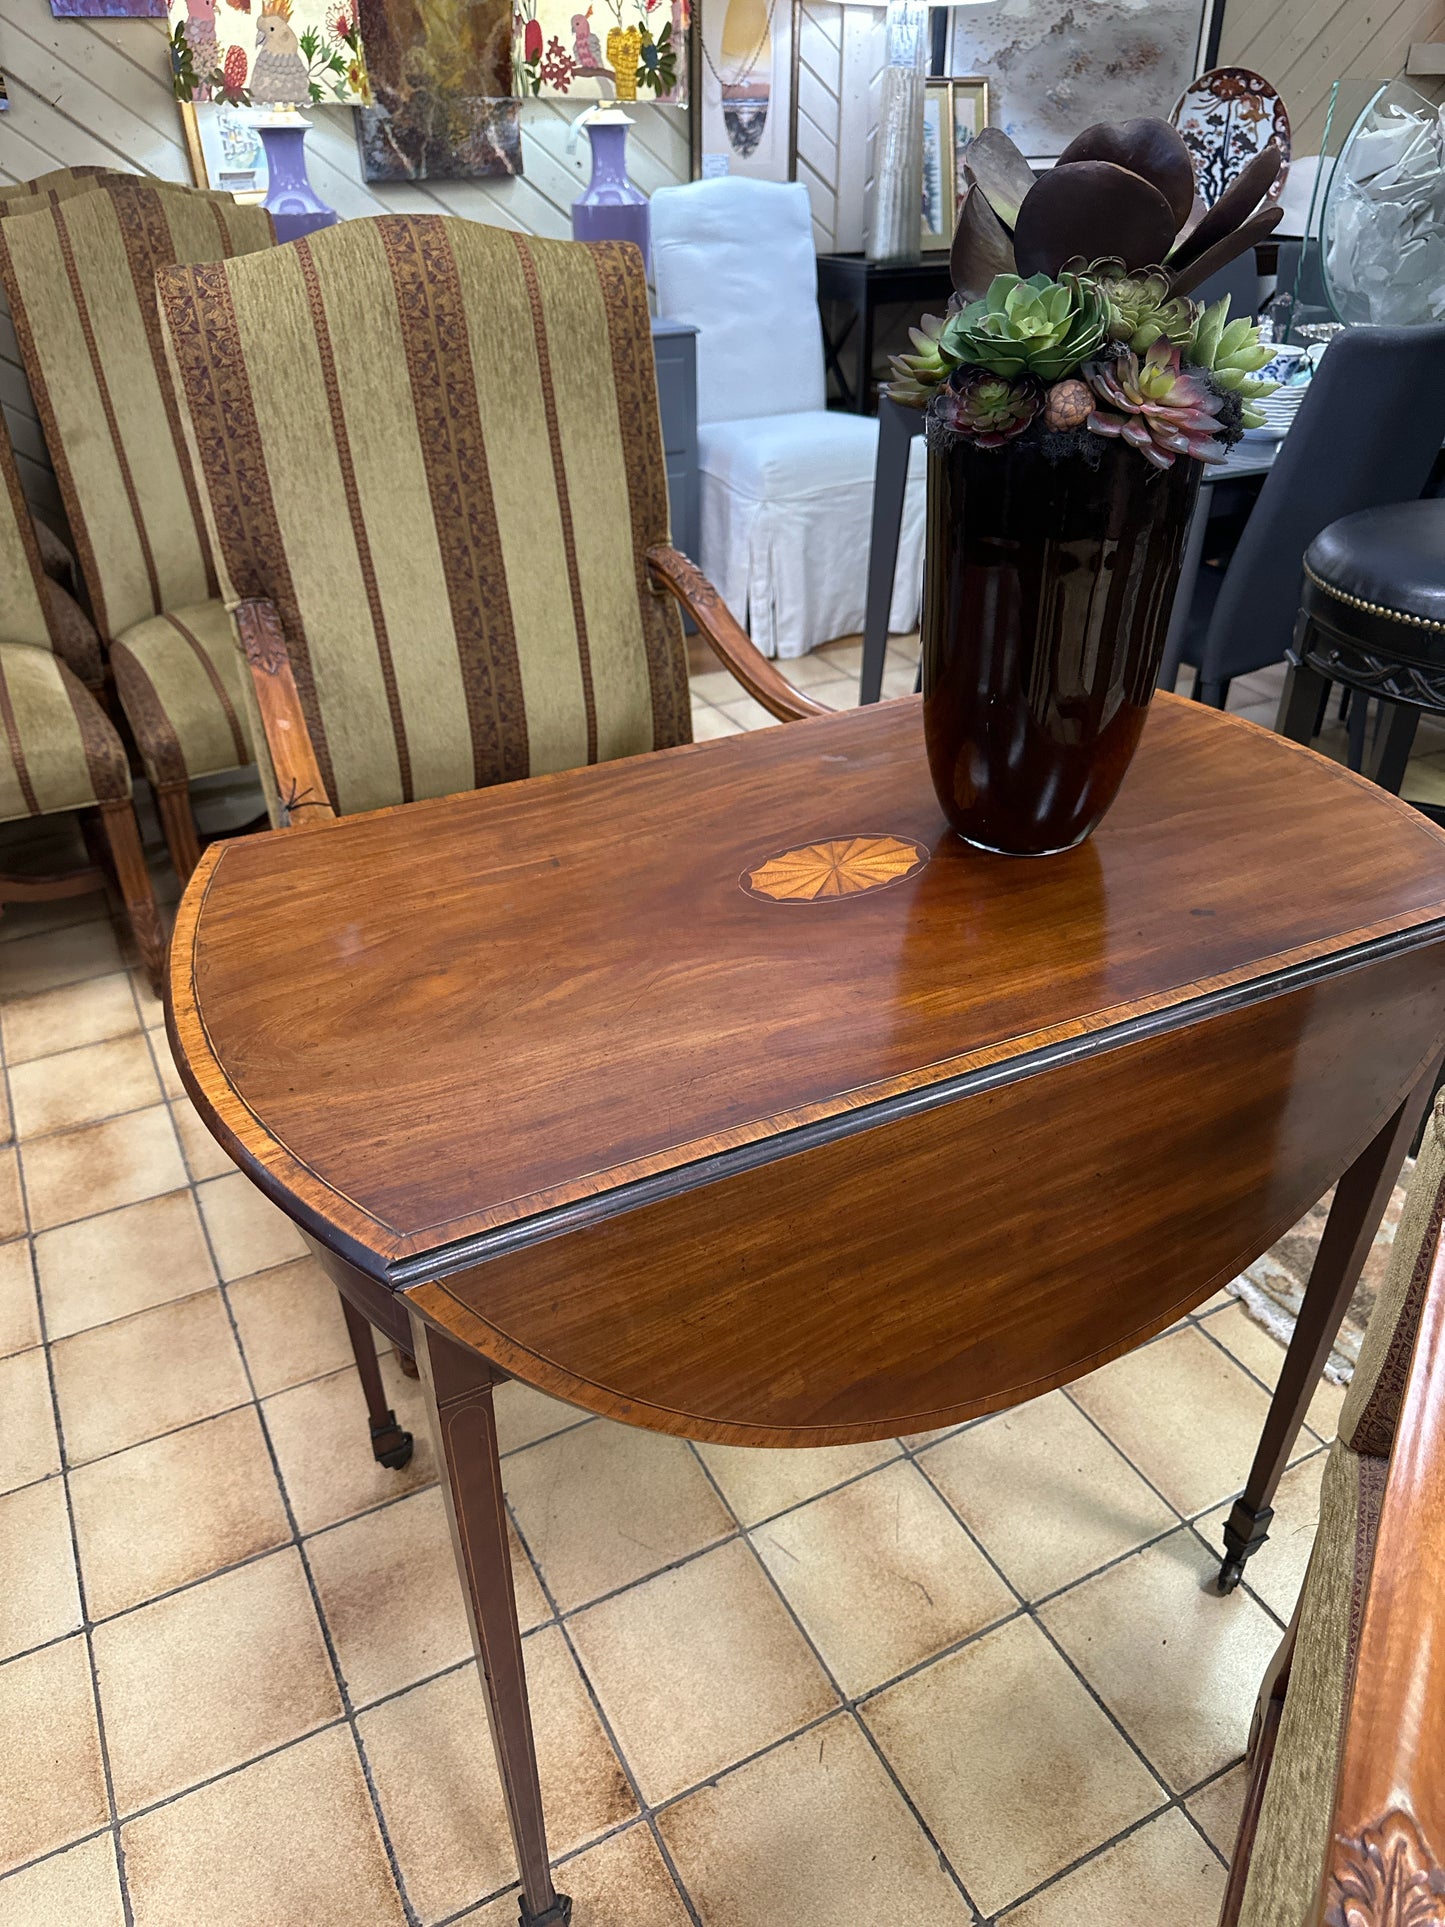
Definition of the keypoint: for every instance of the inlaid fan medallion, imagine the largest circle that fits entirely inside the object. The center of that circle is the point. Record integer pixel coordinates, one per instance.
(843, 866)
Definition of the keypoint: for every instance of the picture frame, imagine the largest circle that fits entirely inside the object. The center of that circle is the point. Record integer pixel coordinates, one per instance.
(938, 171)
(968, 104)
(754, 131)
(225, 152)
(1138, 61)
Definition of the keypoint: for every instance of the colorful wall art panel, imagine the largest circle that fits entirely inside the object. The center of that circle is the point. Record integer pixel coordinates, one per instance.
(614, 50)
(268, 53)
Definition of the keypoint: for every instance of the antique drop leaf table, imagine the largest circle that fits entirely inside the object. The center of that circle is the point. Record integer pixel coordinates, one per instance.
(723, 1091)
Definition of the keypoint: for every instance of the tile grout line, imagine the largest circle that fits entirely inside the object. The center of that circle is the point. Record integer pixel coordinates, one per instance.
(1031, 1614)
(642, 1579)
(689, 1558)
(845, 1704)
(348, 1712)
(907, 1452)
(644, 1807)
(117, 1850)
(1184, 1520)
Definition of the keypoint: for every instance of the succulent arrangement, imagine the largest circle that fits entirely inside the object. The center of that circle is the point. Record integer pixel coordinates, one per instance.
(1071, 313)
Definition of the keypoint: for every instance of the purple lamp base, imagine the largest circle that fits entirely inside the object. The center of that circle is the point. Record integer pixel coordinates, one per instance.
(291, 200)
(612, 209)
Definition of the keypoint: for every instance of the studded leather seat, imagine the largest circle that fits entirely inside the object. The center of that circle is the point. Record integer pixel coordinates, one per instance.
(1372, 617)
(1377, 579)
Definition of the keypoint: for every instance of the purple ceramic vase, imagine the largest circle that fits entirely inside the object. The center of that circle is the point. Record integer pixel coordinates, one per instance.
(291, 200)
(612, 209)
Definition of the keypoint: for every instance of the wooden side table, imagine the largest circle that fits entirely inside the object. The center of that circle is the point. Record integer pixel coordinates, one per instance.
(861, 287)
(723, 1091)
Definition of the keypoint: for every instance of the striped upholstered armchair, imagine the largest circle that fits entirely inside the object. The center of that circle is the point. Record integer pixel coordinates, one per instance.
(59, 751)
(1344, 1822)
(434, 467)
(79, 273)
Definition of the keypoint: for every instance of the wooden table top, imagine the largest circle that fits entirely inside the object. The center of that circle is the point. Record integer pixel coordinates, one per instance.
(433, 1033)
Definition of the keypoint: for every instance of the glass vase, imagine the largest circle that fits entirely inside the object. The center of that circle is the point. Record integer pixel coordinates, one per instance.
(1048, 590)
(895, 232)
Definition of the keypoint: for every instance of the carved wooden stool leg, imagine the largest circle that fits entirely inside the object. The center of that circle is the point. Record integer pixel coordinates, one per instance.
(390, 1444)
(1302, 704)
(459, 1398)
(1359, 1204)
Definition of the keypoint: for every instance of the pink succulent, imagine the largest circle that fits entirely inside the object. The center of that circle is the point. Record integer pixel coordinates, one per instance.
(1162, 410)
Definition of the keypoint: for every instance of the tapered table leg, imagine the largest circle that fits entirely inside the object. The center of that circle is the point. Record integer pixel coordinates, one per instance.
(1359, 1204)
(459, 1399)
(391, 1443)
(896, 428)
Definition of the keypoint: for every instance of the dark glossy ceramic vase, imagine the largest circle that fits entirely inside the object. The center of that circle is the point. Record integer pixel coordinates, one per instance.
(1048, 591)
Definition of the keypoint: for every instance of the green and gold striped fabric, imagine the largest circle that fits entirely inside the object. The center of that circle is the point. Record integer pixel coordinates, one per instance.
(23, 612)
(80, 277)
(58, 185)
(434, 446)
(57, 751)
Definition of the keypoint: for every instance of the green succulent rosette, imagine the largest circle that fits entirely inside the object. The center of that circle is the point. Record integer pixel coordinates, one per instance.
(1028, 327)
(1141, 308)
(916, 376)
(989, 409)
(1233, 353)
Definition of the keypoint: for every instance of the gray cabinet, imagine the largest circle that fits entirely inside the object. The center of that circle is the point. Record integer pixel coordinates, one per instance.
(674, 345)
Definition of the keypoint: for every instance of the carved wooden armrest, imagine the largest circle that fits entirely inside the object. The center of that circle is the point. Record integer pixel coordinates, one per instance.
(733, 645)
(293, 756)
(1386, 1863)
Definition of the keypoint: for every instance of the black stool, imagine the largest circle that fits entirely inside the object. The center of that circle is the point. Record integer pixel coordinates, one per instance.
(1372, 616)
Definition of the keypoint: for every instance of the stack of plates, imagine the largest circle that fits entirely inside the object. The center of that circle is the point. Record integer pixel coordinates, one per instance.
(1279, 410)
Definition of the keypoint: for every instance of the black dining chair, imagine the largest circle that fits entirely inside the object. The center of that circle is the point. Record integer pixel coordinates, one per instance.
(1367, 433)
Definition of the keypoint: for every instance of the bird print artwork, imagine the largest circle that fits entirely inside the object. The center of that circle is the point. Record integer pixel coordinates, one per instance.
(586, 47)
(270, 53)
(200, 26)
(280, 77)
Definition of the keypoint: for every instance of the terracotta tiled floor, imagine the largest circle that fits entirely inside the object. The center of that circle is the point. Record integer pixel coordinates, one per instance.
(961, 1678)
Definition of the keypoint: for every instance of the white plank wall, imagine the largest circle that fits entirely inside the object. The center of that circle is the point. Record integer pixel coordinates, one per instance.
(1304, 46)
(99, 91)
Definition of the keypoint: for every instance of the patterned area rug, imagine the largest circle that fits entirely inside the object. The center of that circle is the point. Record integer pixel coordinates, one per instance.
(1271, 1289)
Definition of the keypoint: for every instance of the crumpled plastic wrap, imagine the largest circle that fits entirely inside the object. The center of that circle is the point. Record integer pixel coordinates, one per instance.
(1383, 231)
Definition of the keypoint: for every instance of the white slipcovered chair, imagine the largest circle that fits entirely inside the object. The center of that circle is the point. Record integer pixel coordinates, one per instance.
(786, 484)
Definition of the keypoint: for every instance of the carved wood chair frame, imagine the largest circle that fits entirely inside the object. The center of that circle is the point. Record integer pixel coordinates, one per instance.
(1383, 1865)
